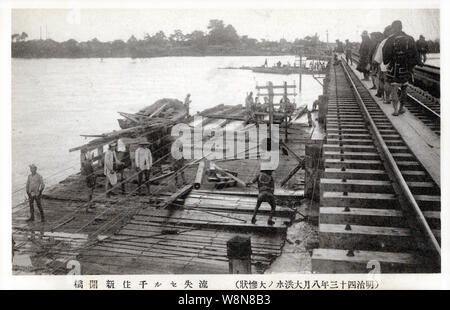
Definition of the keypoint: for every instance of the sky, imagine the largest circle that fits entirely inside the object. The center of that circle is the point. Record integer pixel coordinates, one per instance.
(271, 24)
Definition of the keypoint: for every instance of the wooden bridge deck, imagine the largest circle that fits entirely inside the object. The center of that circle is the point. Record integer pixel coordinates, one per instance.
(128, 234)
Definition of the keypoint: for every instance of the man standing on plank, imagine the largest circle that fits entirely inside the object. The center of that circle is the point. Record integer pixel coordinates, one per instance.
(266, 188)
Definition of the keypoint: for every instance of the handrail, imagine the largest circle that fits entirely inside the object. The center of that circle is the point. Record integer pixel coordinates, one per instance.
(403, 186)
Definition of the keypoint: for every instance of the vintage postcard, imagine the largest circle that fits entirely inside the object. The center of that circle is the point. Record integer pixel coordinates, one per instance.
(211, 145)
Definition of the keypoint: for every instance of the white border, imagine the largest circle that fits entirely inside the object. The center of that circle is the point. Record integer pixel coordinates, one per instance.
(7, 281)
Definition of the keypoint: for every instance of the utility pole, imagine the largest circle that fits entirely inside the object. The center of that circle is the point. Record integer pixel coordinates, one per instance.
(40, 32)
(46, 33)
(327, 39)
(300, 74)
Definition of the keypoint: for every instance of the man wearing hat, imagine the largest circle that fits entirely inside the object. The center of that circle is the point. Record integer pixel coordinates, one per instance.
(34, 188)
(110, 167)
(400, 55)
(87, 170)
(144, 162)
(266, 187)
(422, 48)
(364, 55)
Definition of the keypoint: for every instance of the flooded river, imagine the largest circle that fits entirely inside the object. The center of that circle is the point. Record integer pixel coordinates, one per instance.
(56, 100)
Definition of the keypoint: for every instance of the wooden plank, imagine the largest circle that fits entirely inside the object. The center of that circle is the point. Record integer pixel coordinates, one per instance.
(372, 238)
(350, 185)
(337, 261)
(362, 216)
(230, 175)
(180, 193)
(139, 231)
(279, 193)
(194, 240)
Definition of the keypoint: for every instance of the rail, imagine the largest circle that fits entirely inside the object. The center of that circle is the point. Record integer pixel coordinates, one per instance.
(404, 191)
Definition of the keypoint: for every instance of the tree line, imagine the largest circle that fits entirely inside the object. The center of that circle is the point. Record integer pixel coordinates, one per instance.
(220, 39)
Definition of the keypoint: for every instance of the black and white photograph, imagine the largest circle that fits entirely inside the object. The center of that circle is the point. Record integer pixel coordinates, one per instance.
(295, 144)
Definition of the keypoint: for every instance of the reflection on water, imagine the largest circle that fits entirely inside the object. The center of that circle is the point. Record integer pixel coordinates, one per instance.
(56, 100)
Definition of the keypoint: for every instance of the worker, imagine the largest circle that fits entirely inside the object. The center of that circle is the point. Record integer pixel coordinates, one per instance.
(266, 188)
(177, 165)
(348, 52)
(123, 154)
(250, 107)
(383, 91)
(257, 103)
(282, 106)
(144, 162)
(187, 102)
(422, 48)
(365, 55)
(249, 100)
(376, 38)
(400, 55)
(110, 167)
(88, 170)
(35, 187)
(265, 105)
(339, 47)
(265, 63)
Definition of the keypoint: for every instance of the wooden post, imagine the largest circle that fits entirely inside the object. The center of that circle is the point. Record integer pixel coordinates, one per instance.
(199, 176)
(323, 109)
(285, 113)
(270, 92)
(300, 75)
(239, 251)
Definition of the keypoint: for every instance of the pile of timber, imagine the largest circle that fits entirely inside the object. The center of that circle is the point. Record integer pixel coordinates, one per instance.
(169, 109)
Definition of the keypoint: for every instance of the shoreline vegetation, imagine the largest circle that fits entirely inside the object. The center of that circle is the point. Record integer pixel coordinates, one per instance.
(219, 40)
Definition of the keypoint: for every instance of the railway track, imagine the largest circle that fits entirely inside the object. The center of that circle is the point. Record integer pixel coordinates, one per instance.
(379, 208)
(421, 103)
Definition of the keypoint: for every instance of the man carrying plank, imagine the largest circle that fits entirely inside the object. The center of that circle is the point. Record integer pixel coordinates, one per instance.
(266, 187)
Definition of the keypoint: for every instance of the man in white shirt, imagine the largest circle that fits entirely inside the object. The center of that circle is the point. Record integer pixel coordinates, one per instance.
(383, 88)
(110, 167)
(144, 161)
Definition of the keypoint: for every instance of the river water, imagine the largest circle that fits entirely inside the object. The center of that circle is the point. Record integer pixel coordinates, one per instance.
(56, 100)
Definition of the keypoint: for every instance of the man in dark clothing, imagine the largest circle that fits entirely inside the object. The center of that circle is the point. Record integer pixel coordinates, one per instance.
(364, 55)
(266, 188)
(400, 55)
(376, 38)
(88, 170)
(422, 48)
(339, 47)
(348, 52)
(34, 189)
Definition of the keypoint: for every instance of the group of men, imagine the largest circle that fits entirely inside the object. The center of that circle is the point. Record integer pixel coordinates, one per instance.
(389, 58)
(116, 161)
(254, 105)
